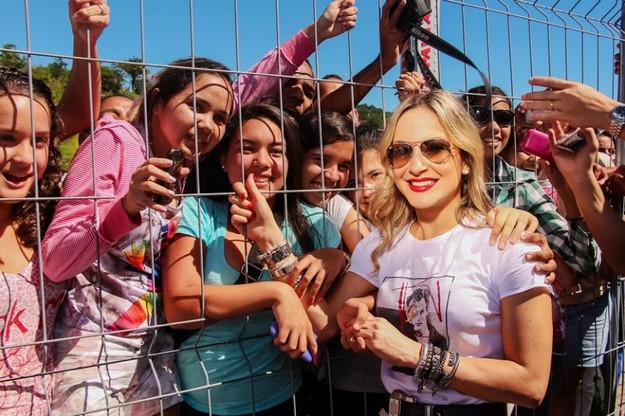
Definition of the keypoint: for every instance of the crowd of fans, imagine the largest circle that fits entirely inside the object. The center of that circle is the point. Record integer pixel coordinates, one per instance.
(251, 246)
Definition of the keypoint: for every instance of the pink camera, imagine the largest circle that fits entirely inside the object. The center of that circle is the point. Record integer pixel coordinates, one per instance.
(537, 143)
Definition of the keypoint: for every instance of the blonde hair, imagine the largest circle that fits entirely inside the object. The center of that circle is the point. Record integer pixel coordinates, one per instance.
(389, 208)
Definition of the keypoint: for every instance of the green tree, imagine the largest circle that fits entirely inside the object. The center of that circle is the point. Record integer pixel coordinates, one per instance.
(134, 71)
(12, 59)
(372, 115)
(112, 81)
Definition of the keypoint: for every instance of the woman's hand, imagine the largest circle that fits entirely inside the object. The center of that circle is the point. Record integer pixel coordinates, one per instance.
(252, 216)
(545, 257)
(314, 274)
(144, 185)
(295, 334)
(349, 318)
(409, 83)
(388, 343)
(89, 14)
(572, 164)
(509, 224)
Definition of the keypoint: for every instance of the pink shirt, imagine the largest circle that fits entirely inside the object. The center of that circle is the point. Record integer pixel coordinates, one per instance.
(253, 86)
(25, 365)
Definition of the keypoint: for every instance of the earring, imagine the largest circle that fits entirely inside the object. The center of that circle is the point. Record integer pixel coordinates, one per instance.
(465, 170)
(223, 167)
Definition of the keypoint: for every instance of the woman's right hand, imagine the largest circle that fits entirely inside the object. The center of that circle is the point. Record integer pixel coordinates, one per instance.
(295, 334)
(144, 185)
(409, 83)
(252, 216)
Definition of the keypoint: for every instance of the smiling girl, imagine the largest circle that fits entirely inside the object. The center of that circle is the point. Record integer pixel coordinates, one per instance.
(233, 351)
(106, 237)
(30, 167)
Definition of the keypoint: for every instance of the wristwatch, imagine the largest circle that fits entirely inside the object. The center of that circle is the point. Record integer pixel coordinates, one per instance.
(275, 255)
(617, 120)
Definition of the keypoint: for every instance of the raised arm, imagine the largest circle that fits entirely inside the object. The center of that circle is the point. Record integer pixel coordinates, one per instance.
(340, 16)
(391, 40)
(606, 225)
(86, 16)
(571, 102)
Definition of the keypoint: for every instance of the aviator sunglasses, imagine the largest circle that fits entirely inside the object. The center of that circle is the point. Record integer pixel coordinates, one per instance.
(482, 116)
(435, 150)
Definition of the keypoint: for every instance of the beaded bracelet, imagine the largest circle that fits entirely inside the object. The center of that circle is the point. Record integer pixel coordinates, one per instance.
(425, 350)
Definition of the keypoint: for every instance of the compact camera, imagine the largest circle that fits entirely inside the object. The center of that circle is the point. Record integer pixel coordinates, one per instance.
(177, 157)
(412, 14)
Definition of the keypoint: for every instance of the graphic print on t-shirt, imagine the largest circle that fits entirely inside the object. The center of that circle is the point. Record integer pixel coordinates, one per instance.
(418, 307)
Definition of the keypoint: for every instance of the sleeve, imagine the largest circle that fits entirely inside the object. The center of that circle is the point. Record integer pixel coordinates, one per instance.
(574, 244)
(514, 273)
(94, 218)
(338, 208)
(361, 259)
(196, 219)
(280, 61)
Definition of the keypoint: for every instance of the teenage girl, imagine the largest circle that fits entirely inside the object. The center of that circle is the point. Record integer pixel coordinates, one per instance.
(30, 167)
(105, 240)
(214, 270)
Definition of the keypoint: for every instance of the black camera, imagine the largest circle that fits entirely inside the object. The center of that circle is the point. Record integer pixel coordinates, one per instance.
(412, 14)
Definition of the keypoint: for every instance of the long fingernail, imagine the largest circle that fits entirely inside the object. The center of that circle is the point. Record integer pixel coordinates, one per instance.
(492, 241)
(171, 179)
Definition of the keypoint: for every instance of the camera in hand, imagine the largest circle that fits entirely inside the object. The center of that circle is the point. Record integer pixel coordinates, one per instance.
(412, 14)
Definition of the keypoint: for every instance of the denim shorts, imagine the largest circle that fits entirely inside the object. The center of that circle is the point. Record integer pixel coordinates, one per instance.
(586, 331)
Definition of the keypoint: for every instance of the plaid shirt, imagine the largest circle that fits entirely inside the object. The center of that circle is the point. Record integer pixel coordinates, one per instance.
(519, 189)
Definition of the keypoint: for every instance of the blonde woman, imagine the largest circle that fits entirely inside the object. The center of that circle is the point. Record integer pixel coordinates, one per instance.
(490, 310)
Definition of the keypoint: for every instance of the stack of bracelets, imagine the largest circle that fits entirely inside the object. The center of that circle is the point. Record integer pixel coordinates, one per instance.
(280, 261)
(431, 366)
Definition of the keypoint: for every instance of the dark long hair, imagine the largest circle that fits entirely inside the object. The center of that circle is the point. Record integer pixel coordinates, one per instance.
(216, 180)
(174, 79)
(334, 127)
(13, 81)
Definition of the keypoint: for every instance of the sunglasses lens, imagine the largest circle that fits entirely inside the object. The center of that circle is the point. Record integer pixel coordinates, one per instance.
(480, 114)
(436, 151)
(503, 117)
(399, 154)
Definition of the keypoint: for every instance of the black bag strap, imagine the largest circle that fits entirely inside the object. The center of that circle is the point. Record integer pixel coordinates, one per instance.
(447, 48)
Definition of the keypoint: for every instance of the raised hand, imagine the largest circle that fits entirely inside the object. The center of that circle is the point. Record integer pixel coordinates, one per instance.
(89, 14)
(339, 17)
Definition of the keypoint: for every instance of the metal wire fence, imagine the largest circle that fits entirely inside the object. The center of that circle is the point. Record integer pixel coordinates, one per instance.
(510, 41)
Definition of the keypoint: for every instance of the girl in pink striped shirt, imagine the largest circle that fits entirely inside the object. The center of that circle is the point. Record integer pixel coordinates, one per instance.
(106, 237)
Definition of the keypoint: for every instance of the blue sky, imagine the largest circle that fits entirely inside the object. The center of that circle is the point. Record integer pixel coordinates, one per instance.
(499, 43)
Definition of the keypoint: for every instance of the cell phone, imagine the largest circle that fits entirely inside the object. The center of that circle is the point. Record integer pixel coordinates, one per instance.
(572, 141)
(177, 157)
(536, 142)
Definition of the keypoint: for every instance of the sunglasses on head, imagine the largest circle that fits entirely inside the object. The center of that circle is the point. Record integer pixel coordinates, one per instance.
(482, 115)
(435, 150)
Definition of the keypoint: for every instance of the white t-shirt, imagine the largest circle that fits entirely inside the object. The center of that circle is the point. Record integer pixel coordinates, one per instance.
(463, 279)
(337, 208)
